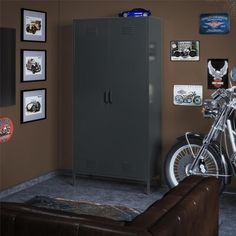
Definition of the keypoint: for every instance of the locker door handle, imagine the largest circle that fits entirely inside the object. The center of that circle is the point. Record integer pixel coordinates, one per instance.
(110, 96)
(105, 97)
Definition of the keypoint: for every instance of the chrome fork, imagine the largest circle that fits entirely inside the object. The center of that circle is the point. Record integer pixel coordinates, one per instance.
(232, 136)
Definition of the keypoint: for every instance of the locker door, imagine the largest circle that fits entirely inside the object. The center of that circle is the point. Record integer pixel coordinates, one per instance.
(90, 92)
(129, 110)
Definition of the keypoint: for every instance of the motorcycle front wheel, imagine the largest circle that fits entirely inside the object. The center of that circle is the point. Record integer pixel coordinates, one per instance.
(180, 158)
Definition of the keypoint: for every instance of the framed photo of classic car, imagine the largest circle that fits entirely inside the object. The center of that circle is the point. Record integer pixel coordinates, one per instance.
(184, 50)
(33, 25)
(33, 65)
(33, 105)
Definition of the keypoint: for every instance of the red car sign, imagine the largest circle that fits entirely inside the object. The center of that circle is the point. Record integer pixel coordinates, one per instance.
(6, 129)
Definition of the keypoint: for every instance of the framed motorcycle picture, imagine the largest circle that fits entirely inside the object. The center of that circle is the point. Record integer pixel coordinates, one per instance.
(33, 65)
(33, 25)
(185, 50)
(217, 70)
(33, 105)
(187, 95)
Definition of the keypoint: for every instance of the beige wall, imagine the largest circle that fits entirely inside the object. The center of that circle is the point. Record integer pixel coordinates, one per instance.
(180, 21)
(33, 150)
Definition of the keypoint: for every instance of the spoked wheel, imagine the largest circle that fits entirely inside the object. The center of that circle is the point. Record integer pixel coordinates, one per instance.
(180, 158)
(197, 100)
(179, 99)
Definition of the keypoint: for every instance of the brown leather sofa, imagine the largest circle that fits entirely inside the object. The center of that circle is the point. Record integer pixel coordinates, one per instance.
(191, 208)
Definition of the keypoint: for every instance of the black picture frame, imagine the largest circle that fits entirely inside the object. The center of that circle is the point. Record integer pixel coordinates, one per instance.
(33, 105)
(33, 25)
(33, 65)
(217, 73)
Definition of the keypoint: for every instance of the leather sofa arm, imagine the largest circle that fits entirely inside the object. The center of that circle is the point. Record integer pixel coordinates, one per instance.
(196, 214)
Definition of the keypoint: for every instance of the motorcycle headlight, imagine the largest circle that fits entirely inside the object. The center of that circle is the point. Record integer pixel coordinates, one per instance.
(210, 108)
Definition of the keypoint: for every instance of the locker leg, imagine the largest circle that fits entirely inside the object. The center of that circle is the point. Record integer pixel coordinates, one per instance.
(74, 178)
(148, 187)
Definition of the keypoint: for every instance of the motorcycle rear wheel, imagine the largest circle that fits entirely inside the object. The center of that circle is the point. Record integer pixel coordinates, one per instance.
(180, 158)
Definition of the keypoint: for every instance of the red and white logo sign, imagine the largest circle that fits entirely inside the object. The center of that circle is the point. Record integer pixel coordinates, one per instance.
(214, 24)
(6, 129)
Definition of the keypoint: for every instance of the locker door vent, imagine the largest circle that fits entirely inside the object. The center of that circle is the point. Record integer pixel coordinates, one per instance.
(128, 30)
(152, 51)
(91, 31)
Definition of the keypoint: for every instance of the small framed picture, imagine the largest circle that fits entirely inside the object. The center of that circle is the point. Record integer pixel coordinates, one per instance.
(187, 95)
(33, 65)
(217, 73)
(185, 50)
(33, 105)
(33, 25)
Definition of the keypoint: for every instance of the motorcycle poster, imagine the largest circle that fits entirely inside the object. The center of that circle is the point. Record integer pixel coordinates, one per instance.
(187, 95)
(184, 50)
(217, 73)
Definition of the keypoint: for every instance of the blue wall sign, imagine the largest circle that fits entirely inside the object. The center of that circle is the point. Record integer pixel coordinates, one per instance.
(214, 23)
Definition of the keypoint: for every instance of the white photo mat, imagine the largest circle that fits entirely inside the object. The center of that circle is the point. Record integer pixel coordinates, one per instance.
(33, 65)
(34, 25)
(33, 105)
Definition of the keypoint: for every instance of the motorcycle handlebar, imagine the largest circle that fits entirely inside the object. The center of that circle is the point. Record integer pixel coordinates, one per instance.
(232, 89)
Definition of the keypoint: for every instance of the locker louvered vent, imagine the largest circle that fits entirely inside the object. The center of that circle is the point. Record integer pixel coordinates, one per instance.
(152, 51)
(91, 31)
(128, 30)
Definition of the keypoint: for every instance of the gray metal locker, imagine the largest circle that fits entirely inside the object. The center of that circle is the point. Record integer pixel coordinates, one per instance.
(117, 98)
